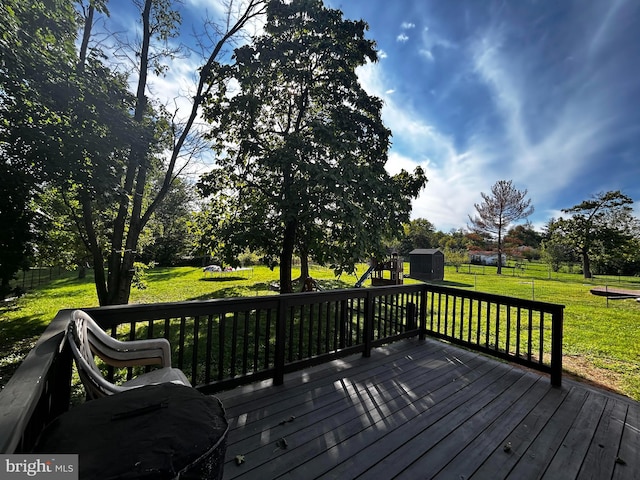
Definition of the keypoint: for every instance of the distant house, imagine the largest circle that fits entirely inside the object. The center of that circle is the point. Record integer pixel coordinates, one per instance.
(426, 264)
(478, 257)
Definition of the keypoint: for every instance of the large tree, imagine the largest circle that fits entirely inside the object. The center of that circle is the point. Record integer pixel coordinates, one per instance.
(136, 202)
(505, 205)
(71, 117)
(603, 224)
(418, 233)
(302, 148)
(37, 54)
(168, 239)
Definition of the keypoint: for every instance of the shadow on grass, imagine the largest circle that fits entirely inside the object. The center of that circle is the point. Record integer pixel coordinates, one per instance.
(18, 337)
(222, 279)
(237, 291)
(265, 288)
(20, 328)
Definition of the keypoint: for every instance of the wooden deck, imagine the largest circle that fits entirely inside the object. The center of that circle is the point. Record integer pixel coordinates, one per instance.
(418, 410)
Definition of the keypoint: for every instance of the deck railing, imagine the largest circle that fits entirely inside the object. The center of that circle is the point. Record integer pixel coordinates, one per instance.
(223, 343)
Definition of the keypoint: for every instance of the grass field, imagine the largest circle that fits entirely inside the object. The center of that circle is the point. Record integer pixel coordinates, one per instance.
(601, 339)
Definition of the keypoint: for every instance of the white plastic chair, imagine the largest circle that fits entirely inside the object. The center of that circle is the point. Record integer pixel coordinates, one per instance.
(87, 340)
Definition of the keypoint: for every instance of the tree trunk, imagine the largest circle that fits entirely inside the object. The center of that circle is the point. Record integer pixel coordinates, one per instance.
(82, 271)
(586, 264)
(499, 251)
(121, 260)
(304, 262)
(286, 257)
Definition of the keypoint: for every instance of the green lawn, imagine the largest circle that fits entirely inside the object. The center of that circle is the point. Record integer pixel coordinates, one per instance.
(601, 342)
(601, 339)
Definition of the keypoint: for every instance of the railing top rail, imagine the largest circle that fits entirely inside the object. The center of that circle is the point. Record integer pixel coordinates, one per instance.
(118, 314)
(501, 299)
(24, 389)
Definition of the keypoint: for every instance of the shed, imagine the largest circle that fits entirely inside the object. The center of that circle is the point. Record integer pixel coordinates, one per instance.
(426, 264)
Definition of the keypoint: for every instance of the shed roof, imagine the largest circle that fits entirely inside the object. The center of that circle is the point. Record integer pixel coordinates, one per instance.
(424, 251)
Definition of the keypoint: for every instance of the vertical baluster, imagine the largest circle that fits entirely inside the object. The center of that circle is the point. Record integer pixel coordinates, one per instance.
(256, 340)
(487, 325)
(245, 343)
(327, 321)
(208, 353)
(310, 339)
(167, 329)
(301, 331)
(234, 344)
(222, 336)
(340, 324)
(453, 317)
(181, 342)
(319, 335)
(519, 329)
(194, 354)
(507, 346)
(541, 361)
(530, 339)
(498, 311)
(439, 311)
(267, 340)
(358, 316)
(291, 333)
(479, 326)
(461, 335)
(470, 320)
(280, 347)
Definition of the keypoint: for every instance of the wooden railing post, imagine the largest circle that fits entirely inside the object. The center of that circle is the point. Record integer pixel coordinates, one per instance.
(557, 319)
(61, 382)
(279, 352)
(367, 328)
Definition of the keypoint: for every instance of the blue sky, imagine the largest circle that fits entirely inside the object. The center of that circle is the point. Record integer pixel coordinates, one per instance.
(542, 92)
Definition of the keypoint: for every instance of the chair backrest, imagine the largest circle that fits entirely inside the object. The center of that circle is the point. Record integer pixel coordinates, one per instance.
(81, 328)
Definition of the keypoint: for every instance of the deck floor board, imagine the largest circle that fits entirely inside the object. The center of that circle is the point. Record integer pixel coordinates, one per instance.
(428, 410)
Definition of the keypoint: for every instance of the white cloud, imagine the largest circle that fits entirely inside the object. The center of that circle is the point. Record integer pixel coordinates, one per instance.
(564, 143)
(407, 25)
(426, 54)
(431, 41)
(455, 178)
(402, 38)
(609, 20)
(216, 6)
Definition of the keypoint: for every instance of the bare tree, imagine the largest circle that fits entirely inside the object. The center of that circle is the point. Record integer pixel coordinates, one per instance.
(505, 205)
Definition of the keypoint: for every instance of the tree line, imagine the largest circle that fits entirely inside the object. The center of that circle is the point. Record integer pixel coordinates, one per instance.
(600, 234)
(94, 162)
